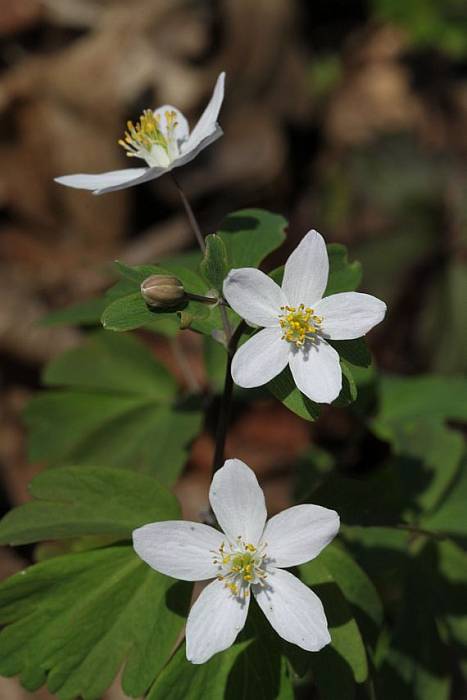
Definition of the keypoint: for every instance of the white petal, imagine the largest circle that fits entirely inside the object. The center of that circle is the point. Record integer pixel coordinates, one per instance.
(349, 315)
(181, 131)
(316, 371)
(306, 271)
(298, 534)
(207, 123)
(214, 622)
(238, 502)
(189, 155)
(111, 181)
(179, 548)
(254, 296)
(295, 612)
(260, 359)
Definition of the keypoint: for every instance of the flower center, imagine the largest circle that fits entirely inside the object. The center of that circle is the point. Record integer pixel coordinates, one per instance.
(239, 565)
(299, 323)
(152, 140)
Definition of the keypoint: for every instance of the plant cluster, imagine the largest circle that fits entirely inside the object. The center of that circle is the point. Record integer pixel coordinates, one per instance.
(371, 610)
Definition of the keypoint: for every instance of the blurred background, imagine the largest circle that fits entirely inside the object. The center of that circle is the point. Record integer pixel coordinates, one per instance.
(347, 116)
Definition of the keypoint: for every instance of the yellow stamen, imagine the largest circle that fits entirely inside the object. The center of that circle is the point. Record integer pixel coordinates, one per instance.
(299, 324)
(146, 133)
(240, 567)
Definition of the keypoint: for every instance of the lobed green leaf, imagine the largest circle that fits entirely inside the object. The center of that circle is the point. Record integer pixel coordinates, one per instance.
(75, 620)
(250, 235)
(251, 669)
(357, 589)
(283, 388)
(344, 276)
(244, 239)
(76, 501)
(346, 639)
(117, 408)
(214, 265)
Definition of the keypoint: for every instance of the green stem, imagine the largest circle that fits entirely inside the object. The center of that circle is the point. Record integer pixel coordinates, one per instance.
(419, 531)
(232, 340)
(199, 237)
(191, 215)
(370, 689)
(202, 299)
(226, 400)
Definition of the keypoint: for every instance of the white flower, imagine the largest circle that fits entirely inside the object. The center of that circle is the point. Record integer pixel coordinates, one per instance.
(162, 138)
(297, 321)
(248, 556)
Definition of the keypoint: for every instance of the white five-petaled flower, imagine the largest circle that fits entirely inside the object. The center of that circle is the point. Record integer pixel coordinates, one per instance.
(162, 138)
(297, 322)
(248, 556)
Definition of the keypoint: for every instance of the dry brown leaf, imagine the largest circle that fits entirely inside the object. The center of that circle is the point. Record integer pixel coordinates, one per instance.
(19, 16)
(375, 93)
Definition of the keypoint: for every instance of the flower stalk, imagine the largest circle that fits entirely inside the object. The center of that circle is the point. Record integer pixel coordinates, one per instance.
(226, 400)
(231, 338)
(190, 214)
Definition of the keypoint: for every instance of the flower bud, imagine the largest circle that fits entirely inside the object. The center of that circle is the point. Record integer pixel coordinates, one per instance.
(162, 291)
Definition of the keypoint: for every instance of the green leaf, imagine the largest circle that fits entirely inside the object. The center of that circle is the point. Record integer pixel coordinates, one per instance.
(76, 501)
(412, 416)
(357, 589)
(128, 310)
(343, 276)
(283, 388)
(214, 265)
(332, 674)
(112, 363)
(358, 501)
(353, 351)
(247, 236)
(432, 396)
(117, 409)
(182, 680)
(383, 553)
(430, 458)
(348, 393)
(134, 275)
(127, 313)
(452, 570)
(232, 673)
(75, 620)
(449, 517)
(354, 614)
(252, 669)
(114, 430)
(415, 665)
(428, 24)
(250, 235)
(346, 639)
(313, 465)
(86, 313)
